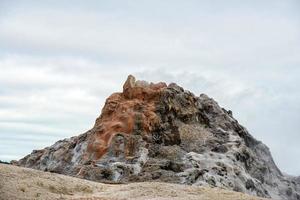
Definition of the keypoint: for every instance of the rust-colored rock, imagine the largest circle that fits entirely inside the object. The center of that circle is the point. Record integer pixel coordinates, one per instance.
(122, 112)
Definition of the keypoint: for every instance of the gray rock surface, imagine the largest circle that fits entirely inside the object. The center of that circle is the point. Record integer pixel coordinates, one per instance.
(189, 140)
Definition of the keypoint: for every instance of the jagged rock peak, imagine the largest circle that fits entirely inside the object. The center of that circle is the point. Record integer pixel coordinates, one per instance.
(160, 132)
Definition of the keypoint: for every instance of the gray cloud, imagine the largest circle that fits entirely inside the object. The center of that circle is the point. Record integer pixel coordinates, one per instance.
(59, 61)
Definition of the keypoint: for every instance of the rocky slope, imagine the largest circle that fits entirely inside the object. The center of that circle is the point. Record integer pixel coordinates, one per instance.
(160, 132)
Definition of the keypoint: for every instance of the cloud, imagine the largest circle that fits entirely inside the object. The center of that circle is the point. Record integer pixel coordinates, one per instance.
(233, 37)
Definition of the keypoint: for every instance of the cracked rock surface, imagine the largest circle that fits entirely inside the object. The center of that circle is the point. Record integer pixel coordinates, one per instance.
(160, 132)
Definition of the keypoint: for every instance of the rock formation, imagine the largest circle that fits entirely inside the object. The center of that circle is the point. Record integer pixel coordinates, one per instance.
(160, 132)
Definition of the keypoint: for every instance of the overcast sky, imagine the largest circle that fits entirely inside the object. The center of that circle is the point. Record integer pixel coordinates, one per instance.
(59, 60)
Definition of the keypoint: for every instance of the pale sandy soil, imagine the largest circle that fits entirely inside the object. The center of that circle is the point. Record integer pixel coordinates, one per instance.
(18, 183)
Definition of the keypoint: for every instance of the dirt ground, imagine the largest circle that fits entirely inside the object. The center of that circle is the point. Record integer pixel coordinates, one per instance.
(21, 183)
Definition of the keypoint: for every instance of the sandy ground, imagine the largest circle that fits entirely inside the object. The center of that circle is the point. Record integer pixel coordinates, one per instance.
(22, 183)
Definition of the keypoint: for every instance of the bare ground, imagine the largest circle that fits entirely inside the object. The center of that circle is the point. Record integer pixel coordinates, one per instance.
(21, 183)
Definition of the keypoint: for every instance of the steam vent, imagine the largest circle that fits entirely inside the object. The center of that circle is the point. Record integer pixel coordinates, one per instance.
(160, 132)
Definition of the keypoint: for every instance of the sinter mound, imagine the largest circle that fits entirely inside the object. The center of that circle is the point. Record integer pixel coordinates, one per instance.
(160, 132)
